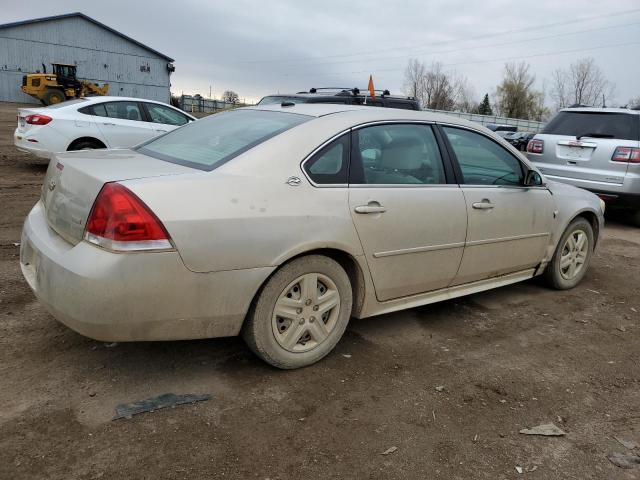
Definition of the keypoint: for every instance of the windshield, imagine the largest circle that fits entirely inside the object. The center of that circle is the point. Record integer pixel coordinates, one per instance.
(277, 99)
(212, 141)
(622, 126)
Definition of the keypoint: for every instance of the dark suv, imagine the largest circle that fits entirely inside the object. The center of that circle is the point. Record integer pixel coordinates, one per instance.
(348, 96)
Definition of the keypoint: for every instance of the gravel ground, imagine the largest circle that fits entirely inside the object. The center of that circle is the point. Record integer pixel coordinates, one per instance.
(508, 359)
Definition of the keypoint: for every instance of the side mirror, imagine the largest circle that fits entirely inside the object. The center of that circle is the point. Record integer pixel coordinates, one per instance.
(533, 179)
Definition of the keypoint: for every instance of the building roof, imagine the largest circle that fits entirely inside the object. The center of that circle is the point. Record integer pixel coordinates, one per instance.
(89, 19)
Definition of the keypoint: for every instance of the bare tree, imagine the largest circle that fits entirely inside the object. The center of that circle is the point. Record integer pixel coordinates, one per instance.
(634, 102)
(414, 78)
(229, 96)
(437, 89)
(584, 83)
(516, 97)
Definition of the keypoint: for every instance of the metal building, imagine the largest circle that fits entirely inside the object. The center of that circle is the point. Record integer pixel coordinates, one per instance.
(101, 54)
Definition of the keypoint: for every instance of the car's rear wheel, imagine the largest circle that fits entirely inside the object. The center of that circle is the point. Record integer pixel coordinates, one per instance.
(301, 313)
(86, 145)
(572, 256)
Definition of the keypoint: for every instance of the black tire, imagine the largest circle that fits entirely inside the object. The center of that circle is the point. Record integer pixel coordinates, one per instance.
(554, 275)
(86, 145)
(635, 218)
(258, 330)
(53, 96)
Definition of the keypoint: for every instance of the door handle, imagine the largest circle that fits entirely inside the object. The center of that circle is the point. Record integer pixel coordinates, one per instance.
(107, 123)
(161, 131)
(372, 207)
(483, 205)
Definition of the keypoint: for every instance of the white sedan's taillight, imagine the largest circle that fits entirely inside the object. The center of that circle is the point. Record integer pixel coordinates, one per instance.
(38, 119)
(121, 222)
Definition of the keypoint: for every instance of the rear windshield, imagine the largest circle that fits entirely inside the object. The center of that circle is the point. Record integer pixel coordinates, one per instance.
(272, 100)
(212, 141)
(595, 124)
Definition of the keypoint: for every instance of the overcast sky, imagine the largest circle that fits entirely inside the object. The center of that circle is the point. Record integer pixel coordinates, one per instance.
(260, 47)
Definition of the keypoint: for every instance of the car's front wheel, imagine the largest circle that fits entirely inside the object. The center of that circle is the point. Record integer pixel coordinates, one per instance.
(301, 312)
(572, 256)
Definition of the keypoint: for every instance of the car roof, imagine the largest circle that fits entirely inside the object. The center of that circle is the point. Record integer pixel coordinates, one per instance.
(601, 110)
(365, 113)
(112, 98)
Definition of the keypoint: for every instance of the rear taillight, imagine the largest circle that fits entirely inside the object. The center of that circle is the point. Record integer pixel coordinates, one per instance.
(37, 119)
(120, 221)
(626, 154)
(535, 146)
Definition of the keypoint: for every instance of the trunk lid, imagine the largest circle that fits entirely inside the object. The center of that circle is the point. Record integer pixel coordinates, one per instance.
(74, 179)
(23, 113)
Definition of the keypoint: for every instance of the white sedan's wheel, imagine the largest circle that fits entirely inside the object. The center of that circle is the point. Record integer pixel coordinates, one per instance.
(571, 258)
(301, 312)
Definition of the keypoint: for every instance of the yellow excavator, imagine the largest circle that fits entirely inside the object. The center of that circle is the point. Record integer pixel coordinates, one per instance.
(59, 85)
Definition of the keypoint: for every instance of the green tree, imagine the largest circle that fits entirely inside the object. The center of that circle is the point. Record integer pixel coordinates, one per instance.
(485, 107)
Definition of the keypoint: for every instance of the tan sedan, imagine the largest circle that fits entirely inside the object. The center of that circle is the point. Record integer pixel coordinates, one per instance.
(283, 222)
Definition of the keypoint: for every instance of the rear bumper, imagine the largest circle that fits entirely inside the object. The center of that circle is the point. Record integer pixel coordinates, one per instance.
(22, 143)
(613, 195)
(135, 296)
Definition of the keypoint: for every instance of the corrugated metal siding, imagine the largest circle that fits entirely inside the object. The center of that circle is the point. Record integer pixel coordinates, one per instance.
(100, 55)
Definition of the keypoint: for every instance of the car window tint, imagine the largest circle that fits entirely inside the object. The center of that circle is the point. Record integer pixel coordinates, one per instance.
(165, 115)
(330, 165)
(99, 110)
(608, 125)
(122, 110)
(397, 155)
(482, 161)
(214, 140)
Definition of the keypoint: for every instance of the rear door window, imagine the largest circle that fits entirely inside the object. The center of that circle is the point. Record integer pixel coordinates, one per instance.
(621, 126)
(121, 110)
(396, 154)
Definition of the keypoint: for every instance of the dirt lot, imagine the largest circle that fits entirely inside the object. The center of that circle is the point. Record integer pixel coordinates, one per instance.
(508, 359)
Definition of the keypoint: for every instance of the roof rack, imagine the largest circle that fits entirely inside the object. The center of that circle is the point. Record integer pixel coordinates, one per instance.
(352, 91)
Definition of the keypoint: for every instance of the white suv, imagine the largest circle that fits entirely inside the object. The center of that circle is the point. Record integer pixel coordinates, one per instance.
(94, 122)
(597, 149)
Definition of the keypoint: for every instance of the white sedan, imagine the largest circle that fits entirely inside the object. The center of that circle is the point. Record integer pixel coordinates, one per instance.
(94, 122)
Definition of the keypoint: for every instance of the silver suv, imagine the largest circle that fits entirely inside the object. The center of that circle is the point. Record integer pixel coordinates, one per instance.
(593, 148)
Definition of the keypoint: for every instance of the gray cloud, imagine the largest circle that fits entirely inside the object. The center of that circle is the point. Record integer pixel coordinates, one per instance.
(258, 48)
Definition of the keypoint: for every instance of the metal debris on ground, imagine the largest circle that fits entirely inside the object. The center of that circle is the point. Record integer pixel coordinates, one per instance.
(127, 410)
(519, 469)
(547, 430)
(346, 355)
(110, 345)
(624, 460)
(389, 450)
(440, 388)
(626, 444)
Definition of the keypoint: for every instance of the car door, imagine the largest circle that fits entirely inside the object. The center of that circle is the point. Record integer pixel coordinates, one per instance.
(164, 118)
(122, 123)
(410, 219)
(509, 224)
